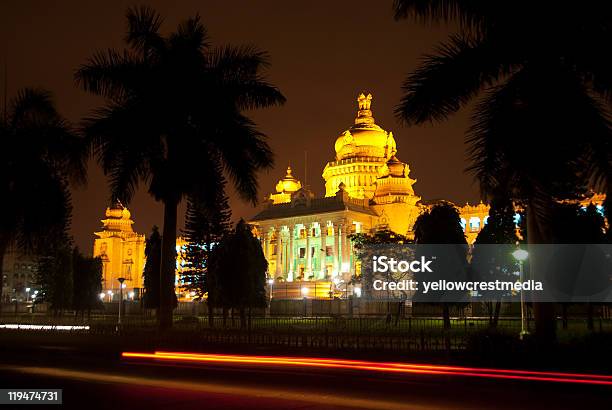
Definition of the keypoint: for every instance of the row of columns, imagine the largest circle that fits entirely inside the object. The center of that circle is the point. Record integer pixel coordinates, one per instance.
(285, 250)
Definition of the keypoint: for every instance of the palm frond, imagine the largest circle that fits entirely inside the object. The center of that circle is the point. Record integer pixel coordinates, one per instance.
(110, 73)
(143, 29)
(471, 14)
(253, 155)
(447, 80)
(124, 146)
(191, 34)
(243, 62)
(30, 107)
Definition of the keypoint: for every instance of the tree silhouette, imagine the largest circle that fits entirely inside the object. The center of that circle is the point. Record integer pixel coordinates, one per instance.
(39, 155)
(150, 297)
(442, 225)
(238, 272)
(87, 282)
(54, 276)
(580, 227)
(491, 263)
(540, 87)
(207, 222)
(175, 110)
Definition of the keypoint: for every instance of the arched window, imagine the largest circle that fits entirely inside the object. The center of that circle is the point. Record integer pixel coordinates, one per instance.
(474, 223)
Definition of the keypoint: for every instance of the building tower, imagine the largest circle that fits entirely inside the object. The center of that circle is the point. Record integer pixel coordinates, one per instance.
(122, 253)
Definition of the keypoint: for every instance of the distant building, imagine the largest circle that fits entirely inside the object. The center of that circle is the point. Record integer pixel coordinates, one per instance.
(123, 256)
(19, 274)
(122, 252)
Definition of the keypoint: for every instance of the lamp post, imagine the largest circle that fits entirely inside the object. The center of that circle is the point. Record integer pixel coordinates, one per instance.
(521, 255)
(271, 287)
(27, 294)
(121, 280)
(304, 291)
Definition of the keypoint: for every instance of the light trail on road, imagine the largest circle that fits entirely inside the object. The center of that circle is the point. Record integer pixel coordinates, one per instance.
(389, 367)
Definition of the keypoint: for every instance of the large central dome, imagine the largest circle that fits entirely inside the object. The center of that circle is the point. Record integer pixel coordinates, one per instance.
(365, 138)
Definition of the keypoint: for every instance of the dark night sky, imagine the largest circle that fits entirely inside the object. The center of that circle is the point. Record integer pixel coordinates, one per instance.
(323, 54)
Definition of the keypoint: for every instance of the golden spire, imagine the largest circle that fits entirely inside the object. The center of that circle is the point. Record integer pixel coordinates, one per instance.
(289, 183)
(364, 115)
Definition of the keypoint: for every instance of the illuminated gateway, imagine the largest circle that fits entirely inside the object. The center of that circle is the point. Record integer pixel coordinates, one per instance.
(367, 188)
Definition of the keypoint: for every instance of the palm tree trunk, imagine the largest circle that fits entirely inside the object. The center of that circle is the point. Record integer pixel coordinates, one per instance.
(544, 313)
(168, 265)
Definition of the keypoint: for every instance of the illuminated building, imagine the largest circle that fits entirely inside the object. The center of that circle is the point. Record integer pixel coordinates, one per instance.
(122, 252)
(123, 255)
(367, 188)
(179, 279)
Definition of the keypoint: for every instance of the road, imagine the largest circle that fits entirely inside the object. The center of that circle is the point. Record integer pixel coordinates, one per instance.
(104, 380)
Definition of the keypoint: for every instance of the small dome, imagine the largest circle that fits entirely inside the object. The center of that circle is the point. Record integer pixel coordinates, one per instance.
(114, 212)
(396, 167)
(288, 184)
(365, 138)
(118, 211)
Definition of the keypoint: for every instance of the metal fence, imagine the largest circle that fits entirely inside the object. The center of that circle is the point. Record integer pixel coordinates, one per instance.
(422, 334)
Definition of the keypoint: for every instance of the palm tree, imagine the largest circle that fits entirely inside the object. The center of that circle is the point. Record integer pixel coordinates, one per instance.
(175, 110)
(39, 155)
(541, 126)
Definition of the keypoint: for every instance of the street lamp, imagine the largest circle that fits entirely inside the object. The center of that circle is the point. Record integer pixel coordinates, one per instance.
(271, 286)
(521, 256)
(121, 287)
(304, 294)
(27, 294)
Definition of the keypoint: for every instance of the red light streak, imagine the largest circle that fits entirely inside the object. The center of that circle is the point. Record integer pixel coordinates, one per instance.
(376, 366)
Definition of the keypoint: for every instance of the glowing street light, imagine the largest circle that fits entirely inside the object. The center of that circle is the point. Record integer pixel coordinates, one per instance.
(101, 295)
(521, 255)
(271, 285)
(304, 291)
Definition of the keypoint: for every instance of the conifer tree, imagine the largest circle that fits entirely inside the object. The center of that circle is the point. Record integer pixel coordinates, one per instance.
(207, 221)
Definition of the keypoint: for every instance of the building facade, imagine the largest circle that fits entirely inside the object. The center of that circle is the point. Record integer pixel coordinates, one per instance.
(18, 276)
(122, 252)
(367, 188)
